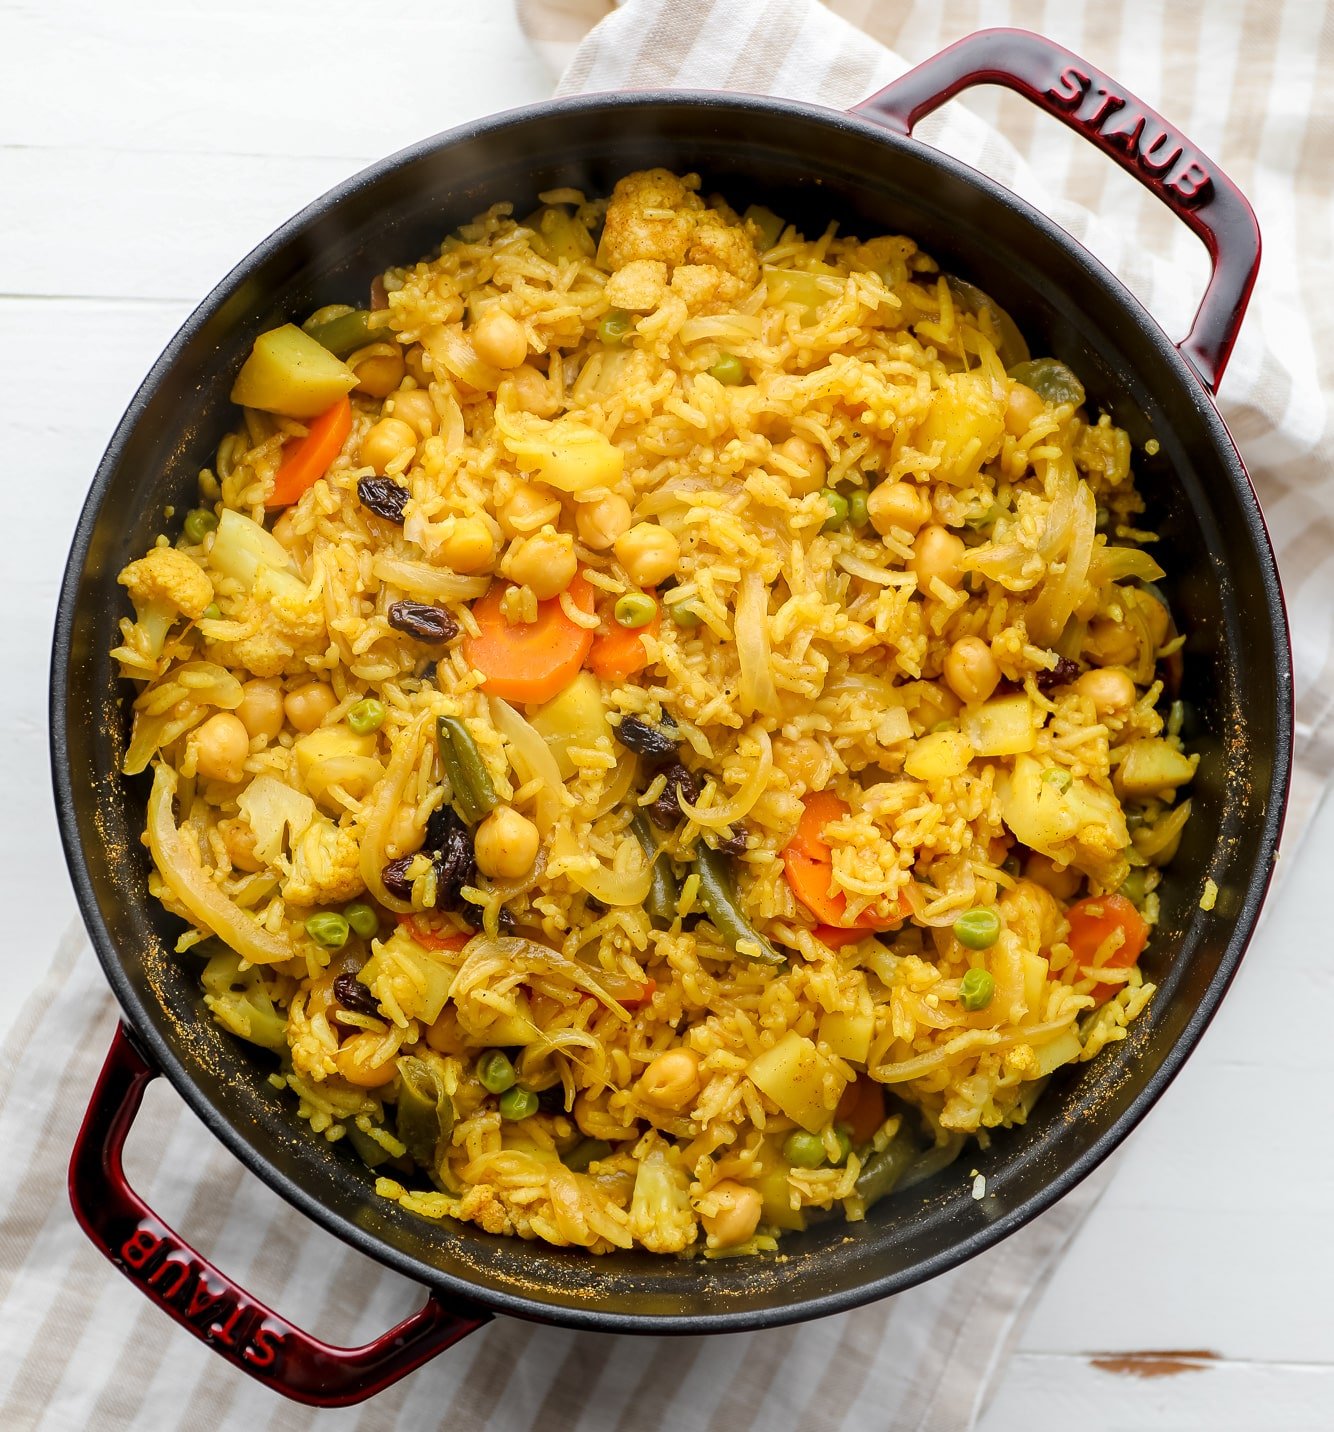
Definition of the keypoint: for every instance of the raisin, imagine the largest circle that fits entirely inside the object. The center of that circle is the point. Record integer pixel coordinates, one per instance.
(440, 825)
(734, 844)
(395, 877)
(645, 739)
(425, 622)
(1062, 674)
(665, 812)
(383, 497)
(352, 994)
(455, 867)
(552, 1101)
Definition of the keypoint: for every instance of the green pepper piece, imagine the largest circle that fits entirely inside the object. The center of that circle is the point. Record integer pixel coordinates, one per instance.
(1051, 380)
(719, 901)
(371, 1153)
(469, 780)
(662, 892)
(882, 1171)
(585, 1152)
(346, 333)
(425, 1111)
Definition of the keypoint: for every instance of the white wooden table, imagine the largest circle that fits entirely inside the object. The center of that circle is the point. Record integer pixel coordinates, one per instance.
(143, 148)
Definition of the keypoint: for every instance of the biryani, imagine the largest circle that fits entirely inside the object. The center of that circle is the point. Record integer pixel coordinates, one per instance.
(658, 722)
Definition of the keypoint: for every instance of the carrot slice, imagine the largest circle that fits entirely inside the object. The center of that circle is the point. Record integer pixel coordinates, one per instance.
(1093, 921)
(808, 863)
(529, 661)
(862, 1109)
(836, 936)
(307, 459)
(822, 808)
(618, 652)
(430, 939)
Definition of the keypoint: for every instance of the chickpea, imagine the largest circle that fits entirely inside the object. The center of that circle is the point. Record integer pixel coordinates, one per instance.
(897, 505)
(526, 509)
(1111, 643)
(544, 562)
(672, 1079)
(388, 441)
(531, 392)
(1109, 688)
(1023, 408)
(600, 523)
(811, 460)
(261, 708)
(308, 705)
(971, 670)
(937, 552)
(470, 547)
(379, 368)
(648, 553)
(1061, 880)
(801, 760)
(353, 1061)
(284, 529)
(935, 703)
(221, 744)
(418, 364)
(738, 1213)
(505, 844)
(239, 842)
(405, 835)
(499, 340)
(1156, 617)
(414, 407)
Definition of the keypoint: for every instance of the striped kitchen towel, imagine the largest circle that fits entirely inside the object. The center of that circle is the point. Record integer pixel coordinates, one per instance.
(85, 1351)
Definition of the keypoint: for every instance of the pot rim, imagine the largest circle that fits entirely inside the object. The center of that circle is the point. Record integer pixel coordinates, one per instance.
(185, 1079)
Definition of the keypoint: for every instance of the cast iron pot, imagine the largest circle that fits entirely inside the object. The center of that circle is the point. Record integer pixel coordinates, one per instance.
(809, 164)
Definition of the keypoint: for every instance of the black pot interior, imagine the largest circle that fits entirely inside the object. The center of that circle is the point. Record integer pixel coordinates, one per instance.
(811, 166)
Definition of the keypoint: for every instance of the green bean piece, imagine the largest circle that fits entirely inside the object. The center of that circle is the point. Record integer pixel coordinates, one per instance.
(838, 509)
(978, 929)
(729, 370)
(634, 610)
(495, 1071)
(363, 920)
(211, 613)
(518, 1103)
(976, 989)
(585, 1152)
(768, 226)
(370, 1151)
(930, 1163)
(328, 929)
(883, 1169)
(344, 334)
(719, 901)
(614, 326)
(425, 1111)
(857, 513)
(660, 903)
(844, 1140)
(803, 1150)
(198, 524)
(1051, 380)
(366, 716)
(469, 780)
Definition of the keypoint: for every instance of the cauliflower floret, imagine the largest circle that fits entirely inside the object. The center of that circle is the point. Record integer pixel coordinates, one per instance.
(639, 286)
(163, 585)
(276, 814)
(660, 1214)
(1034, 914)
(326, 866)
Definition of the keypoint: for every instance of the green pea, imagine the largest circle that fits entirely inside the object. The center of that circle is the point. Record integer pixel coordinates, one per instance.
(685, 616)
(803, 1150)
(844, 1139)
(635, 609)
(366, 716)
(363, 920)
(978, 929)
(518, 1103)
(838, 509)
(1059, 777)
(328, 929)
(857, 514)
(212, 613)
(976, 989)
(614, 326)
(495, 1071)
(1133, 887)
(198, 524)
(729, 370)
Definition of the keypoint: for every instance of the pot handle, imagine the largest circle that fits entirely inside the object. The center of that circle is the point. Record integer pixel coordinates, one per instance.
(1140, 141)
(204, 1301)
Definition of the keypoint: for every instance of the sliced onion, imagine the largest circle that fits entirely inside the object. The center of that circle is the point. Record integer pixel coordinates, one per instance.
(1061, 593)
(1115, 564)
(618, 787)
(424, 580)
(741, 804)
(532, 760)
(452, 350)
(625, 883)
(388, 798)
(488, 955)
(756, 690)
(191, 886)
